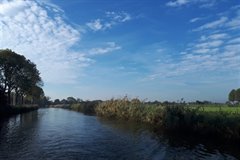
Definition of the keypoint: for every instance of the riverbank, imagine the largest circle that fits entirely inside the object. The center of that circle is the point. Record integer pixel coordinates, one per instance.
(53, 133)
(10, 110)
(211, 121)
(214, 120)
(87, 107)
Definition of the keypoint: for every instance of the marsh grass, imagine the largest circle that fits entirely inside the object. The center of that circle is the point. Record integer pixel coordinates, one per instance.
(209, 120)
(129, 110)
(87, 107)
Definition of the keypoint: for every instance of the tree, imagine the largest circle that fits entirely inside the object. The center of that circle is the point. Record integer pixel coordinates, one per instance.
(237, 95)
(231, 95)
(79, 100)
(64, 101)
(56, 101)
(35, 94)
(71, 100)
(17, 74)
(3, 99)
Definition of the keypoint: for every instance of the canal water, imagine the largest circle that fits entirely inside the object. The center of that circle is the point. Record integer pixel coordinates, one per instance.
(58, 134)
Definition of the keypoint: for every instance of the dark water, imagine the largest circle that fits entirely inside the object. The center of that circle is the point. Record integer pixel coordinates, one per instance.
(61, 134)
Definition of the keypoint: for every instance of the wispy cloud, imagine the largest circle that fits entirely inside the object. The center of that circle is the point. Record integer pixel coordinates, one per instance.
(108, 21)
(195, 20)
(110, 47)
(224, 21)
(217, 50)
(234, 23)
(200, 3)
(177, 3)
(96, 25)
(212, 25)
(209, 44)
(118, 17)
(235, 40)
(218, 36)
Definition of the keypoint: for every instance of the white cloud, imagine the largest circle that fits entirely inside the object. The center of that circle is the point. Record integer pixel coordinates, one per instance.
(118, 17)
(110, 19)
(224, 21)
(218, 36)
(214, 36)
(195, 19)
(201, 3)
(202, 50)
(234, 23)
(111, 46)
(217, 50)
(209, 44)
(212, 25)
(96, 25)
(177, 3)
(46, 40)
(235, 40)
(11, 8)
(210, 56)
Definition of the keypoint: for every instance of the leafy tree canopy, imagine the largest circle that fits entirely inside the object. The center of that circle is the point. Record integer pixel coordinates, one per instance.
(18, 74)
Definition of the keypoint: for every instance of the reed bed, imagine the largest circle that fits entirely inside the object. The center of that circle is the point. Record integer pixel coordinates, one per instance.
(214, 120)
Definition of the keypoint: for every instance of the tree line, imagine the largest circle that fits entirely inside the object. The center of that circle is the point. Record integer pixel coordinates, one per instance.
(19, 79)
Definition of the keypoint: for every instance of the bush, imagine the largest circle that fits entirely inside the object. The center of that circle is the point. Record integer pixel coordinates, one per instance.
(87, 107)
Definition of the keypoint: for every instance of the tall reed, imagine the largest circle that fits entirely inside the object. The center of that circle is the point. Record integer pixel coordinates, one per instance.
(174, 117)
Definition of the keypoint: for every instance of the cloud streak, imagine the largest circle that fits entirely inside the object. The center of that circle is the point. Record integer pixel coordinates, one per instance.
(201, 3)
(110, 47)
(110, 19)
(212, 25)
(177, 3)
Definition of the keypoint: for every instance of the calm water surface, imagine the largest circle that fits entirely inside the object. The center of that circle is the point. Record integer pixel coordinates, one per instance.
(62, 134)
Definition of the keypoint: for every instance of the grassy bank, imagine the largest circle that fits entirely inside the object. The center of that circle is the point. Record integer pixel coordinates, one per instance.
(9, 111)
(207, 120)
(87, 107)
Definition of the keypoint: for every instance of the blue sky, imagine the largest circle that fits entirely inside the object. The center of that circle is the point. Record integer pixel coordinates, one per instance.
(154, 50)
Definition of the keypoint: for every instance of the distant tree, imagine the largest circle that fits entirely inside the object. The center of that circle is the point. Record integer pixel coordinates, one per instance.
(207, 102)
(47, 99)
(56, 101)
(237, 95)
(64, 101)
(79, 100)
(198, 102)
(71, 100)
(231, 95)
(156, 102)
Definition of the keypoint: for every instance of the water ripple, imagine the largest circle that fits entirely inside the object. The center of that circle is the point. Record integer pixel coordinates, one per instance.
(62, 134)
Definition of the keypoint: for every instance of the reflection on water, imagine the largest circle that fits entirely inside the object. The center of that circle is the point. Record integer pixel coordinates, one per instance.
(62, 134)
